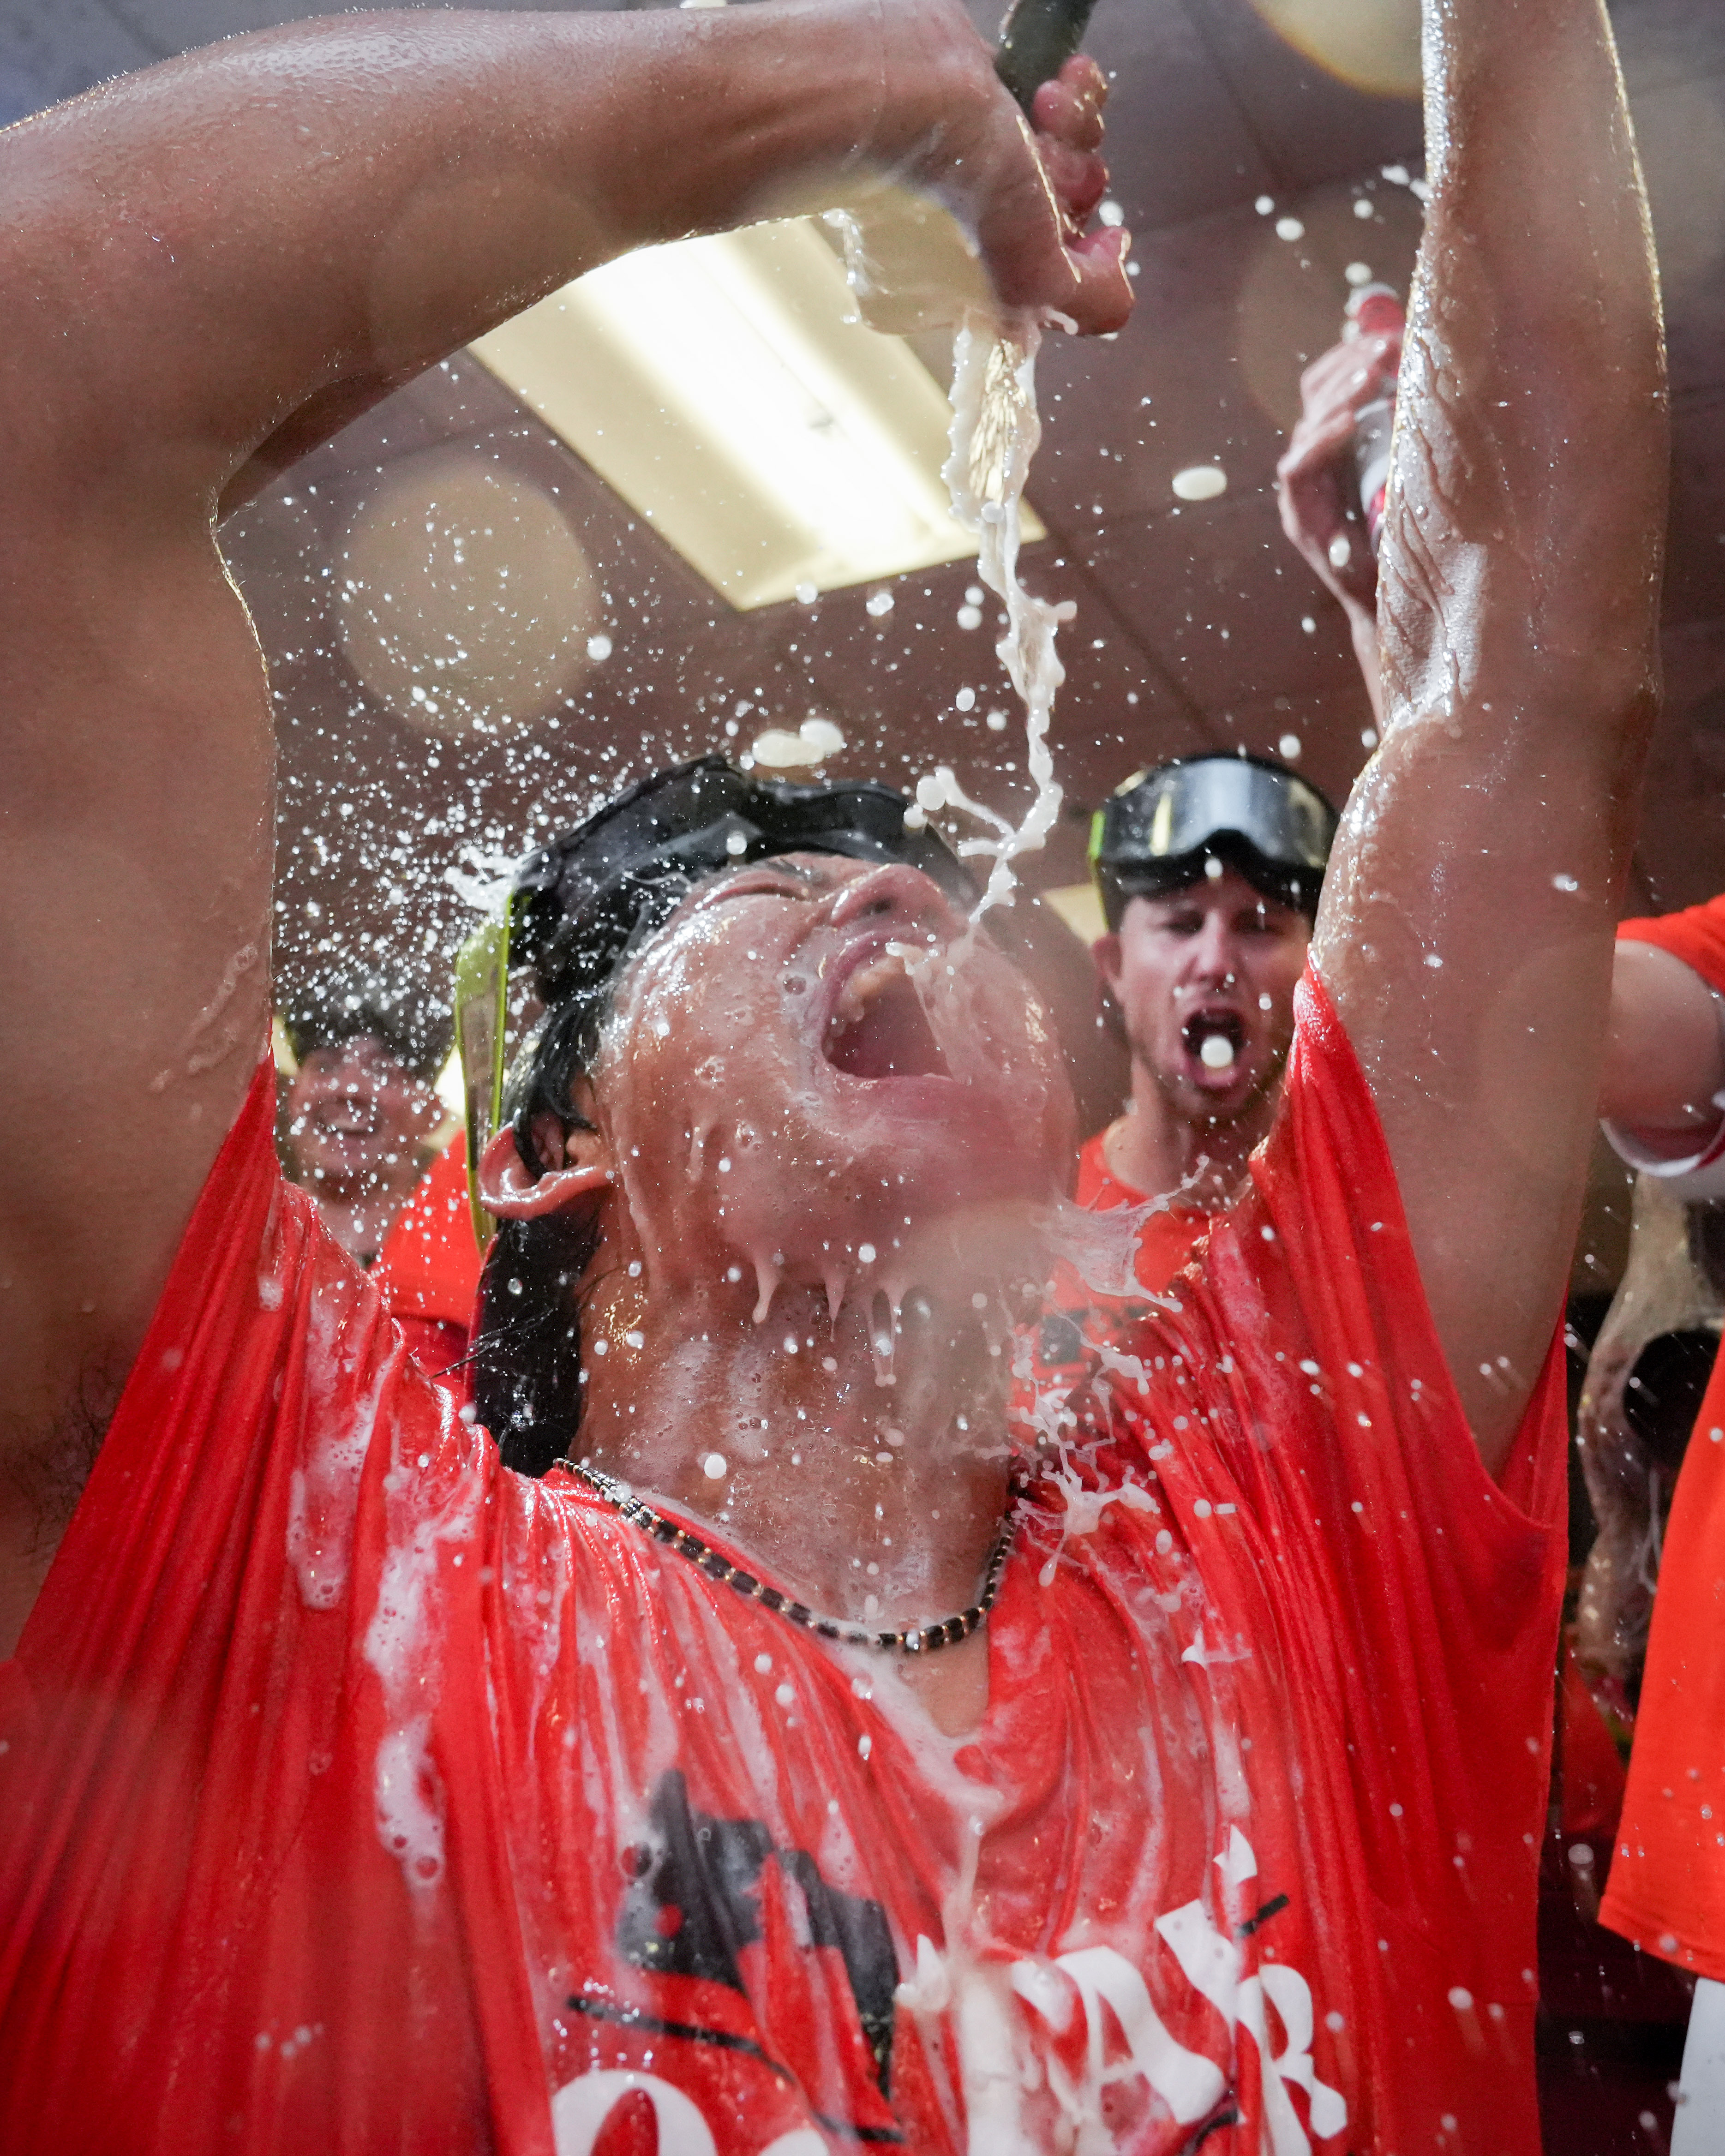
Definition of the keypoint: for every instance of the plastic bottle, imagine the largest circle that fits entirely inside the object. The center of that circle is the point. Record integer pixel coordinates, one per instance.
(1373, 310)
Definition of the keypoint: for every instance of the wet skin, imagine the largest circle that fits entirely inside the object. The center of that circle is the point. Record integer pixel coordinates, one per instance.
(829, 1313)
(1219, 959)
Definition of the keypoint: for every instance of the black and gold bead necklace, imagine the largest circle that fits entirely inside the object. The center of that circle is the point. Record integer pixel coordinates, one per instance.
(912, 1639)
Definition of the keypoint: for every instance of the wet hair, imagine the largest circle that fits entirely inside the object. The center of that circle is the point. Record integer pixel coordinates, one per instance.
(525, 1356)
(334, 1008)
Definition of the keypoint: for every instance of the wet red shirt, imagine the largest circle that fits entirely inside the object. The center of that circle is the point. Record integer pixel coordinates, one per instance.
(358, 1794)
(428, 1271)
(1167, 1239)
(1666, 1889)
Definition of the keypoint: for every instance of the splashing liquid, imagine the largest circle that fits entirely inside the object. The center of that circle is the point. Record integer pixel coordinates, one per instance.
(994, 435)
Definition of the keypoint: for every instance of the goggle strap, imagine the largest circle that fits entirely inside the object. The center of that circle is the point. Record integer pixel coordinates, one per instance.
(481, 1024)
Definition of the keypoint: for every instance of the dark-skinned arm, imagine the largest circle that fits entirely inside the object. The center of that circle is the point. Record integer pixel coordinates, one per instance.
(1466, 930)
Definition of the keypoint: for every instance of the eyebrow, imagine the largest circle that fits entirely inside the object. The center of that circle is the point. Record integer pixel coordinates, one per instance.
(814, 879)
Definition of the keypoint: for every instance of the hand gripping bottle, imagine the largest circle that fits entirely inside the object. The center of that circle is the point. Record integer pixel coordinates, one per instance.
(1373, 310)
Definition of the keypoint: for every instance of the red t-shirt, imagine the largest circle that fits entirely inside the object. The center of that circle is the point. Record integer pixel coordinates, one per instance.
(359, 1795)
(1169, 1236)
(428, 1271)
(1666, 1887)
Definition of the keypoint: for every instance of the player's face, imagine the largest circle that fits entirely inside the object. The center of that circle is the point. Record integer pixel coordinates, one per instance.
(1205, 980)
(354, 1110)
(814, 1057)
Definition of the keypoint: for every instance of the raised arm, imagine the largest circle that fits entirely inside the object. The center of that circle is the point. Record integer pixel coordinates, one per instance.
(203, 269)
(1465, 934)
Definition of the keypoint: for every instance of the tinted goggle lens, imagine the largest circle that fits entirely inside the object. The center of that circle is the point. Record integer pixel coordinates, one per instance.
(1182, 810)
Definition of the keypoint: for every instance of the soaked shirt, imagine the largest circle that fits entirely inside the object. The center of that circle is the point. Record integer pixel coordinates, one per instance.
(358, 1794)
(1666, 1889)
(1168, 1237)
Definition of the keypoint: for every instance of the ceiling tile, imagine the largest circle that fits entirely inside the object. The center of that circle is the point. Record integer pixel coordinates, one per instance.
(1208, 370)
(1662, 42)
(1330, 727)
(1680, 131)
(1695, 567)
(1311, 126)
(1179, 146)
(1680, 851)
(1218, 593)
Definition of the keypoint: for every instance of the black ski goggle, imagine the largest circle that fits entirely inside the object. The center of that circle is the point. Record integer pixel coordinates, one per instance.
(1156, 832)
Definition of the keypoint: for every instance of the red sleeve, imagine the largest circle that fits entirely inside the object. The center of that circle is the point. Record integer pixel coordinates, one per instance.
(430, 1265)
(1666, 1887)
(248, 1731)
(1451, 1580)
(1428, 1593)
(1697, 936)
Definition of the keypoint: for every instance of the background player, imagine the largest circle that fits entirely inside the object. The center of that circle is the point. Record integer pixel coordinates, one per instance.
(1208, 870)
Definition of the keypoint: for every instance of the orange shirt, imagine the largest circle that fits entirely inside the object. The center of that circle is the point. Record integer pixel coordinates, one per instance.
(428, 1270)
(356, 1793)
(1666, 1889)
(1167, 1240)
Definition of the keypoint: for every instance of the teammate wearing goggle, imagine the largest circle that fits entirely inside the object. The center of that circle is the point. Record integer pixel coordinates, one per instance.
(1209, 868)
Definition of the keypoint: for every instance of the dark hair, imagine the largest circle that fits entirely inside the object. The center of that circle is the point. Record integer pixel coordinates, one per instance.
(337, 1007)
(526, 1357)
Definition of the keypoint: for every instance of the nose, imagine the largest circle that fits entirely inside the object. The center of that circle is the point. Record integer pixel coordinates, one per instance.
(899, 895)
(1214, 962)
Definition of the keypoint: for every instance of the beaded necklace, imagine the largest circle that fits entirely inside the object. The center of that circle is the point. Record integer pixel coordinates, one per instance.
(912, 1639)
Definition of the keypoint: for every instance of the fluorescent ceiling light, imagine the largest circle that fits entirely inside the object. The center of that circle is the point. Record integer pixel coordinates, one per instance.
(725, 388)
(1079, 906)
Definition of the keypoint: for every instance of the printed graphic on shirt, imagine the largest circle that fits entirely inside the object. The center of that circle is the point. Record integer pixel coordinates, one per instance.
(1080, 2028)
(712, 1901)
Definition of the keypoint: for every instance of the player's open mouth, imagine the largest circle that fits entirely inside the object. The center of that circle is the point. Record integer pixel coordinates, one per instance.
(350, 1119)
(877, 1028)
(1214, 1038)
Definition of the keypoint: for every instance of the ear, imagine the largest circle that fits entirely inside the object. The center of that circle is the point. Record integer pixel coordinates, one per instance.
(1106, 951)
(508, 1192)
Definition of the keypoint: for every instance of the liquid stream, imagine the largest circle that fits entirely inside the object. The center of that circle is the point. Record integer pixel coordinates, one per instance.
(995, 436)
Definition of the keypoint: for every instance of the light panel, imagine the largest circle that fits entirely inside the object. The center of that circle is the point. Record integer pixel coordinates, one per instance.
(1080, 907)
(725, 389)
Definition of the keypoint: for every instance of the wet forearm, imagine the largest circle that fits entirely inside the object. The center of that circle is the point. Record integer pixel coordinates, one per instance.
(298, 217)
(1533, 467)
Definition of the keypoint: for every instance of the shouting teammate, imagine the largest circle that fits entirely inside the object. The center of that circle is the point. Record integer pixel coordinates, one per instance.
(1208, 870)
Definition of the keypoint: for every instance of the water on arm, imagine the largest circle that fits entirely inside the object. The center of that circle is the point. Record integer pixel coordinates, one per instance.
(1466, 930)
